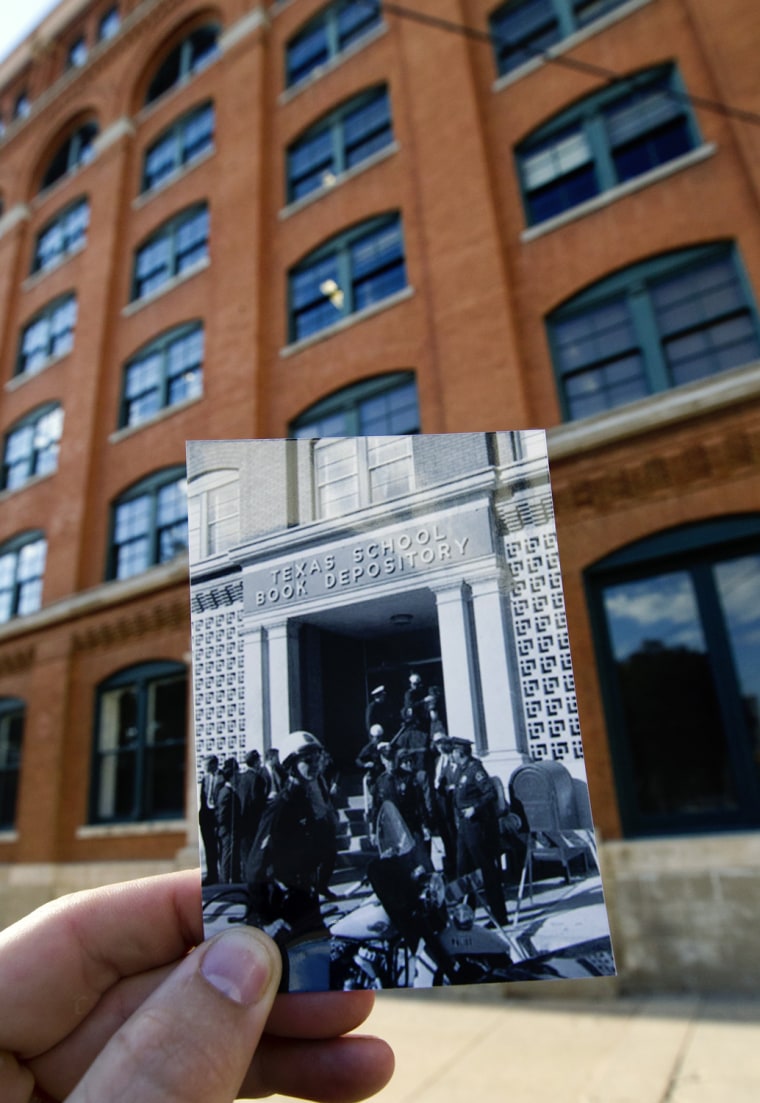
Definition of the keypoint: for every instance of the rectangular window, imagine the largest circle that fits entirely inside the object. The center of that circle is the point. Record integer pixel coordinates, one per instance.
(354, 472)
(139, 768)
(327, 36)
(177, 247)
(524, 30)
(165, 373)
(49, 335)
(149, 525)
(664, 323)
(603, 141)
(187, 140)
(32, 448)
(65, 235)
(22, 566)
(11, 739)
(349, 135)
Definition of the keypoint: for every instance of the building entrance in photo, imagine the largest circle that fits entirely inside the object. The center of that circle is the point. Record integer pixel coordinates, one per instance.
(345, 653)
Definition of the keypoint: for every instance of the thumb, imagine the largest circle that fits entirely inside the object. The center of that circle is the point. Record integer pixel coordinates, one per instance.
(193, 1039)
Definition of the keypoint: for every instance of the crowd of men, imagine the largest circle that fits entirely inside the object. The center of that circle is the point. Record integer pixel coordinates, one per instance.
(272, 824)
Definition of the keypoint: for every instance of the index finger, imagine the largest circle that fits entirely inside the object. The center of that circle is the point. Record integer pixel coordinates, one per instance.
(56, 964)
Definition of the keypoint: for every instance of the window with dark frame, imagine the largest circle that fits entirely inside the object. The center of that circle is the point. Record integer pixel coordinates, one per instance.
(330, 33)
(176, 247)
(77, 53)
(140, 745)
(340, 141)
(186, 59)
(351, 272)
(48, 336)
(149, 524)
(75, 152)
(616, 135)
(64, 235)
(22, 569)
(665, 322)
(165, 372)
(385, 405)
(22, 105)
(353, 472)
(677, 623)
(109, 23)
(12, 713)
(180, 145)
(32, 446)
(522, 30)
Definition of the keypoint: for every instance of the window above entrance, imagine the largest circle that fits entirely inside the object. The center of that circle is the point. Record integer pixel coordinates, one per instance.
(351, 473)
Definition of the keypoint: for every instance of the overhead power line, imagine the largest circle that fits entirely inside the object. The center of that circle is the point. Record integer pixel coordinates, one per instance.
(551, 57)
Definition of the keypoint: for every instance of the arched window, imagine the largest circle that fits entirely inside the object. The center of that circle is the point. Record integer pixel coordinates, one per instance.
(163, 373)
(31, 446)
(184, 60)
(77, 150)
(351, 272)
(334, 30)
(48, 336)
(383, 406)
(668, 321)
(63, 235)
(11, 740)
(213, 509)
(22, 568)
(176, 247)
(622, 132)
(522, 30)
(677, 629)
(139, 759)
(149, 523)
(340, 141)
(181, 144)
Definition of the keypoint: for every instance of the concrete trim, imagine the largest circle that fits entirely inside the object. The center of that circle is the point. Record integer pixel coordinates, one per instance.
(118, 830)
(655, 412)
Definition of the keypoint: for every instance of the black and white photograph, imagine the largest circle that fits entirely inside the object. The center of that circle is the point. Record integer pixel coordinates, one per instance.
(389, 761)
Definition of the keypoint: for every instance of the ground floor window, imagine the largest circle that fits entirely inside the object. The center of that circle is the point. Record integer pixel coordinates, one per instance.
(139, 763)
(677, 620)
(11, 737)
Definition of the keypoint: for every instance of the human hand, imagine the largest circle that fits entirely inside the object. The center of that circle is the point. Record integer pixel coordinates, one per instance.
(104, 998)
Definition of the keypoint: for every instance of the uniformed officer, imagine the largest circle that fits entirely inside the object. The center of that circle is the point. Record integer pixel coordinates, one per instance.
(476, 826)
(294, 851)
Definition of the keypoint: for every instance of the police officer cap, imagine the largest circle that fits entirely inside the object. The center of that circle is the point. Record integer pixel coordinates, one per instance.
(377, 691)
(296, 743)
(460, 741)
(385, 749)
(405, 752)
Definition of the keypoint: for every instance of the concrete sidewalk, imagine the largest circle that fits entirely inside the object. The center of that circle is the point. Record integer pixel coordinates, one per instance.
(645, 1050)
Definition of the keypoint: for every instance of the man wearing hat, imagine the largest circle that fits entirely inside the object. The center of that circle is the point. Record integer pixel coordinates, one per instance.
(379, 712)
(476, 826)
(294, 852)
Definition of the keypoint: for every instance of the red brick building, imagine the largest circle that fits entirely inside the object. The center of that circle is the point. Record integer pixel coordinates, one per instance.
(238, 219)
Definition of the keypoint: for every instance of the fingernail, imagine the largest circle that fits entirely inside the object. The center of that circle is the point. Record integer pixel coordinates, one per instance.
(238, 966)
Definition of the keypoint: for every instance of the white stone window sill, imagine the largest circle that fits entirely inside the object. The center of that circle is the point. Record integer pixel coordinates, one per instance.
(649, 414)
(145, 197)
(319, 193)
(612, 195)
(347, 323)
(115, 830)
(162, 415)
(36, 277)
(165, 288)
(9, 836)
(18, 380)
(569, 43)
(31, 481)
